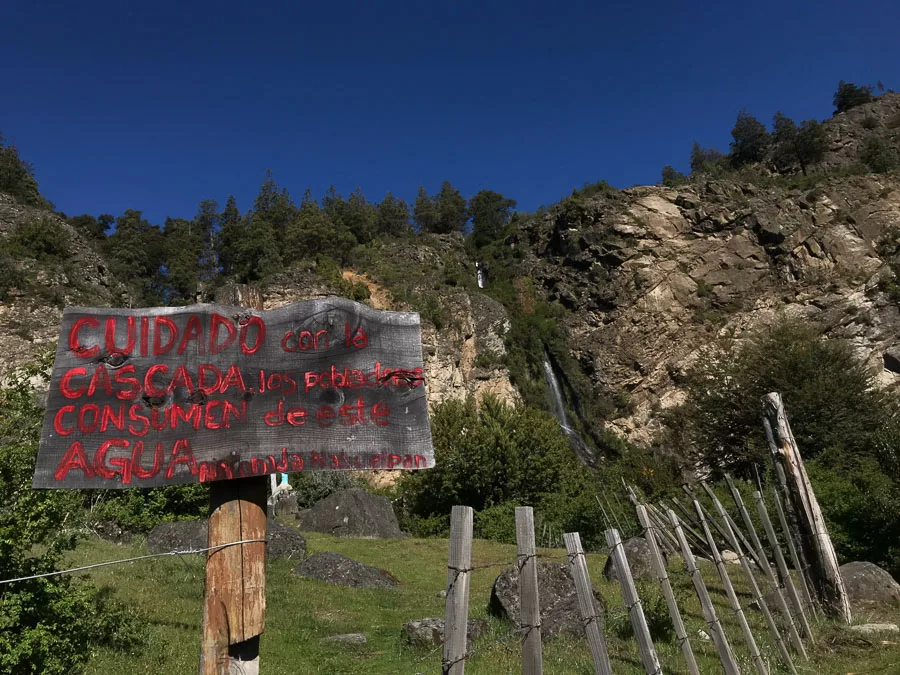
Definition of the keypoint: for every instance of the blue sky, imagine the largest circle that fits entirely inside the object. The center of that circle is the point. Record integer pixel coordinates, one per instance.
(157, 105)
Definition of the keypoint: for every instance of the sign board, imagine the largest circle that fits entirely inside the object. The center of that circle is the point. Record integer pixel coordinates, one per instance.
(159, 396)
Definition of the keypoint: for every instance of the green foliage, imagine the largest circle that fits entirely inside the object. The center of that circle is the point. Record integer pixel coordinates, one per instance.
(443, 213)
(10, 275)
(672, 178)
(392, 218)
(310, 488)
(46, 625)
(142, 510)
(707, 160)
(17, 177)
(601, 187)
(877, 154)
(183, 243)
(830, 395)
(493, 456)
(44, 240)
(136, 252)
(804, 145)
(751, 140)
(90, 227)
(491, 213)
(849, 95)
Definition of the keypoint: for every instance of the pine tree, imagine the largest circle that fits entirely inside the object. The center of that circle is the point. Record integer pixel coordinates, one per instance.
(425, 213)
(360, 217)
(183, 248)
(849, 95)
(207, 224)
(751, 140)
(490, 212)
(231, 233)
(392, 216)
(136, 253)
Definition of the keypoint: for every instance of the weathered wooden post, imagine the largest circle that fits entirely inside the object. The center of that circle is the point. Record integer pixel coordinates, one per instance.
(225, 394)
(662, 575)
(802, 570)
(783, 572)
(529, 598)
(825, 572)
(457, 612)
(733, 601)
(579, 571)
(716, 631)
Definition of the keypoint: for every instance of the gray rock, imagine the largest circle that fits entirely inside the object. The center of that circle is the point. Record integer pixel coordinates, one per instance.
(352, 513)
(430, 631)
(872, 628)
(637, 551)
(338, 569)
(730, 557)
(870, 586)
(559, 603)
(352, 639)
(283, 541)
(285, 504)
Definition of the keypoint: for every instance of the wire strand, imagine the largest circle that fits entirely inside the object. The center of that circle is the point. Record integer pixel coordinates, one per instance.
(190, 551)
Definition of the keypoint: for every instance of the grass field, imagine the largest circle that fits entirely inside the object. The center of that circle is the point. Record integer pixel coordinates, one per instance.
(302, 614)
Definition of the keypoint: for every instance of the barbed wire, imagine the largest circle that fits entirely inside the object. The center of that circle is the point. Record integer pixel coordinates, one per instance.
(190, 551)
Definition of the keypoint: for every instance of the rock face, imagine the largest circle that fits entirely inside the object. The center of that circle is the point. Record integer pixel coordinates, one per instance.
(870, 587)
(637, 551)
(338, 569)
(430, 632)
(283, 541)
(352, 513)
(559, 603)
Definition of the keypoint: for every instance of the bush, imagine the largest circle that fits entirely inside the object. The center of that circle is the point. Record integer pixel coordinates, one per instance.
(849, 95)
(47, 625)
(142, 510)
(878, 155)
(309, 488)
(45, 240)
(831, 397)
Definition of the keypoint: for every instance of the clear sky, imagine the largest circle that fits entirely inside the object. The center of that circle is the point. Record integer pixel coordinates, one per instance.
(157, 105)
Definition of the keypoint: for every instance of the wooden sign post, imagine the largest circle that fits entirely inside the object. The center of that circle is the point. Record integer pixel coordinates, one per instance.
(225, 394)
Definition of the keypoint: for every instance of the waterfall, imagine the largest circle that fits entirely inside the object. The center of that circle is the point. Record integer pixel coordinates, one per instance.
(559, 404)
(479, 274)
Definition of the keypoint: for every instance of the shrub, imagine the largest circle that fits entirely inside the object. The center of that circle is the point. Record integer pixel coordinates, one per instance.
(878, 155)
(45, 240)
(849, 95)
(47, 625)
(142, 510)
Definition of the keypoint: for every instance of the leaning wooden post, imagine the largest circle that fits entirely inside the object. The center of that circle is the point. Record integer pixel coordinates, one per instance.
(586, 605)
(234, 595)
(633, 604)
(529, 598)
(457, 607)
(729, 527)
(716, 631)
(783, 572)
(732, 596)
(767, 569)
(826, 573)
(758, 596)
(662, 575)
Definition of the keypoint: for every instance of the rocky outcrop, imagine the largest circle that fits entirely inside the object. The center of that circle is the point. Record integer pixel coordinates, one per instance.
(352, 513)
(655, 274)
(338, 569)
(870, 587)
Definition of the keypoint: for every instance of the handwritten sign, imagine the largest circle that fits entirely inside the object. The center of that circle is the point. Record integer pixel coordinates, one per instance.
(149, 397)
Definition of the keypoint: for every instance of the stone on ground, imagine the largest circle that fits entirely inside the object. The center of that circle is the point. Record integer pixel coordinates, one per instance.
(338, 569)
(873, 628)
(352, 639)
(352, 513)
(559, 603)
(637, 551)
(429, 632)
(869, 587)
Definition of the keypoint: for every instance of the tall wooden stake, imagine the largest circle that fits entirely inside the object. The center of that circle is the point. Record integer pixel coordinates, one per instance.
(234, 595)
(457, 607)
(659, 567)
(716, 631)
(826, 573)
(529, 599)
(586, 605)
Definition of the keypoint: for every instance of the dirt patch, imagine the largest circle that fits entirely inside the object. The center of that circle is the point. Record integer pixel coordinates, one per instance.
(379, 297)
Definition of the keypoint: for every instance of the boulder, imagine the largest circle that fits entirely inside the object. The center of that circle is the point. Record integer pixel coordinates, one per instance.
(284, 542)
(350, 639)
(868, 586)
(338, 569)
(873, 628)
(430, 632)
(352, 513)
(730, 557)
(559, 603)
(637, 550)
(284, 504)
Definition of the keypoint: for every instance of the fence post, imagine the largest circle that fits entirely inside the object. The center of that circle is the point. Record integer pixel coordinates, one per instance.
(729, 591)
(716, 632)
(578, 569)
(633, 603)
(457, 607)
(792, 550)
(659, 567)
(783, 572)
(729, 526)
(826, 573)
(529, 598)
(760, 600)
(767, 569)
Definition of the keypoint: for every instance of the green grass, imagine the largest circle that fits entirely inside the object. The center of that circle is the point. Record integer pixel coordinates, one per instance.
(301, 614)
